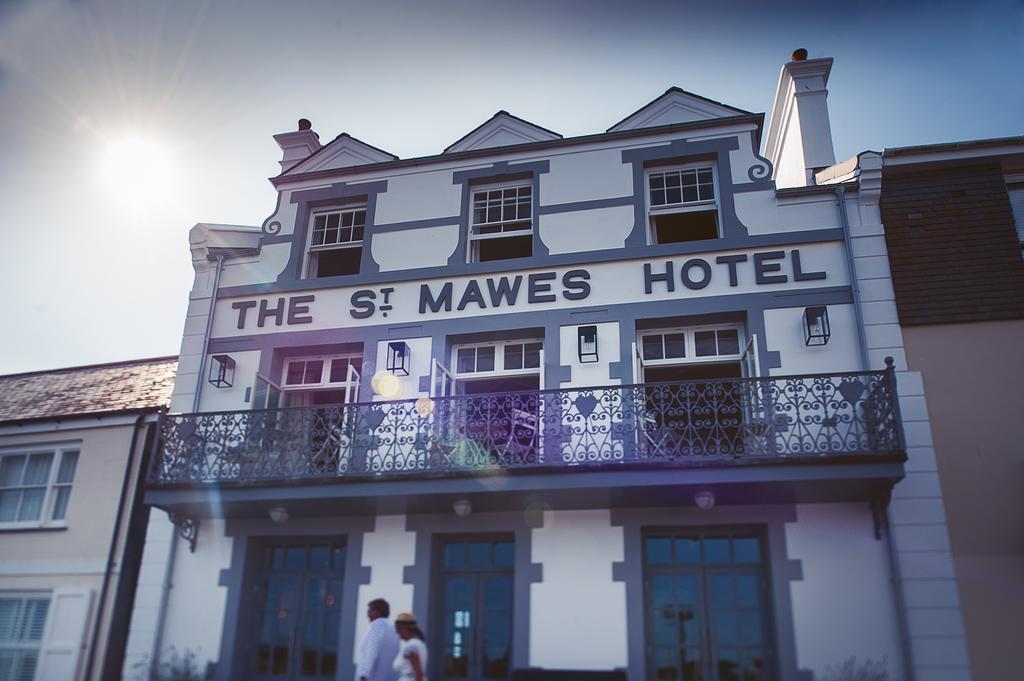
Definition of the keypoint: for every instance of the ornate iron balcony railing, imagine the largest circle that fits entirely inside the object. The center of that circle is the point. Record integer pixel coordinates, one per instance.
(780, 419)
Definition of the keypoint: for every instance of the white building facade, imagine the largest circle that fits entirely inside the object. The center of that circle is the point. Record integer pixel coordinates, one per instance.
(612, 402)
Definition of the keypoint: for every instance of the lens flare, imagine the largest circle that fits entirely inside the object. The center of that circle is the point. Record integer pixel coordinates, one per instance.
(387, 385)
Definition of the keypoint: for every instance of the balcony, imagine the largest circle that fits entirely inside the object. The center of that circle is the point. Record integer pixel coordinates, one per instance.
(806, 420)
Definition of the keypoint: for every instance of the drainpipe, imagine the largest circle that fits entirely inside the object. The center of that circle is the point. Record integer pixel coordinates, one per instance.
(894, 567)
(206, 337)
(854, 283)
(111, 554)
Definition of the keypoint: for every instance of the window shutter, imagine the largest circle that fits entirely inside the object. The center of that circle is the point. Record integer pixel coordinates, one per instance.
(64, 635)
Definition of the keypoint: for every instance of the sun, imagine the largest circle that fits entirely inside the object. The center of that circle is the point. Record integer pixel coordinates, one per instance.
(137, 168)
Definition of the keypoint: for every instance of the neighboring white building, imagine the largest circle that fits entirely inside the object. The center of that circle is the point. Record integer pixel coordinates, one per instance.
(618, 401)
(73, 447)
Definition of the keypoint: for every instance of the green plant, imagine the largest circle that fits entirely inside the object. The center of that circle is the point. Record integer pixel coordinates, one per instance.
(849, 670)
(172, 666)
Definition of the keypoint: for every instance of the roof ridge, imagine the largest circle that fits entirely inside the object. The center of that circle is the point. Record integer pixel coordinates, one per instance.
(101, 365)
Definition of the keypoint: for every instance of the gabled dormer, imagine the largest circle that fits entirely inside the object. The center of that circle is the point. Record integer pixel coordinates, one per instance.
(502, 130)
(344, 151)
(676, 106)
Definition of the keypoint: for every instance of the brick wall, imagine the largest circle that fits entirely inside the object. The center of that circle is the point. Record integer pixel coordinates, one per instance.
(952, 245)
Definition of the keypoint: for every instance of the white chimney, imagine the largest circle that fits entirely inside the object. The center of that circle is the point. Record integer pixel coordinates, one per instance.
(799, 140)
(297, 145)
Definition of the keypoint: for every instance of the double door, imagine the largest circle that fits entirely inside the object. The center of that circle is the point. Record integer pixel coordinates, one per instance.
(476, 605)
(298, 593)
(706, 608)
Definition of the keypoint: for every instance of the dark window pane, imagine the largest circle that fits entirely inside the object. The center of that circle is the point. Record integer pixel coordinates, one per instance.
(318, 557)
(505, 248)
(728, 664)
(747, 550)
(657, 181)
(262, 658)
(296, 370)
(673, 195)
(514, 356)
(460, 599)
(332, 221)
(686, 589)
(308, 662)
(504, 554)
(675, 345)
(747, 595)
(11, 469)
(695, 225)
(688, 551)
(329, 664)
(652, 347)
(31, 503)
(665, 664)
(728, 342)
(60, 505)
(705, 343)
(497, 595)
(9, 505)
(276, 557)
(68, 462)
(532, 356)
(338, 262)
(485, 358)
(750, 628)
(357, 233)
(314, 371)
(725, 627)
(37, 472)
(479, 555)
(659, 550)
(454, 555)
(295, 558)
(339, 370)
(721, 591)
(662, 596)
(280, 665)
(338, 559)
(716, 550)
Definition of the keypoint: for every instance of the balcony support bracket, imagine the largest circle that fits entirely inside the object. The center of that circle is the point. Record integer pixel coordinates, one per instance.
(879, 505)
(188, 528)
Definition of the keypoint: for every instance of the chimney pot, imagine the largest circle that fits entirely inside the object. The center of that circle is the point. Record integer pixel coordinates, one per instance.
(799, 54)
(304, 123)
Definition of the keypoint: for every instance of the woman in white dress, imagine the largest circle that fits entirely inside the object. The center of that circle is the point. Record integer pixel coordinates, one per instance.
(411, 663)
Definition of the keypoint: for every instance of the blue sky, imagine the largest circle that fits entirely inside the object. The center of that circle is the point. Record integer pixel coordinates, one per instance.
(96, 262)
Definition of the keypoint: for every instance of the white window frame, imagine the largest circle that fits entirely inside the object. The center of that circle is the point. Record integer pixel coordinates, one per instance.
(706, 205)
(46, 519)
(473, 239)
(325, 372)
(1015, 192)
(312, 249)
(499, 360)
(21, 647)
(689, 339)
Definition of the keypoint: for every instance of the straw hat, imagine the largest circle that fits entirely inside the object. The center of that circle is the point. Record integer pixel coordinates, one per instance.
(405, 618)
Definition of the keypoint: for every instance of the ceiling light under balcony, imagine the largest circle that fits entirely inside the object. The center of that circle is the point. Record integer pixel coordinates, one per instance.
(462, 507)
(705, 499)
(279, 514)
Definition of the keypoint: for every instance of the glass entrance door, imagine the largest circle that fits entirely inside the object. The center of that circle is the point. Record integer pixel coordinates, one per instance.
(476, 610)
(705, 606)
(298, 591)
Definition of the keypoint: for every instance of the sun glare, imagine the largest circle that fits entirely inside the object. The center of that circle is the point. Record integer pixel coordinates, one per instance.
(136, 168)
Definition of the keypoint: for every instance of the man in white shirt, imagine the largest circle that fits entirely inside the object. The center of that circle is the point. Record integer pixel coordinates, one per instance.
(379, 647)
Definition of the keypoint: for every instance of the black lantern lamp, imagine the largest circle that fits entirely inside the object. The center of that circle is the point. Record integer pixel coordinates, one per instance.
(222, 371)
(816, 329)
(587, 344)
(398, 358)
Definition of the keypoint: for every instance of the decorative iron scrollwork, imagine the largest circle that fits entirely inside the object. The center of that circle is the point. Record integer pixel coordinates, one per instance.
(682, 423)
(188, 528)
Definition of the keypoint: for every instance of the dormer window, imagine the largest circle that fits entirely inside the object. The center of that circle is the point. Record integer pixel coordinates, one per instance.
(336, 246)
(683, 204)
(501, 225)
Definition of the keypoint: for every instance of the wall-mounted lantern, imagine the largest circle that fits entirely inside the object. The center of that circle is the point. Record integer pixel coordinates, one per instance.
(222, 371)
(587, 344)
(816, 329)
(398, 358)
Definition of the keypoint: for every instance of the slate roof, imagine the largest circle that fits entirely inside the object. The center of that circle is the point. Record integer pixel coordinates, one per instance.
(136, 385)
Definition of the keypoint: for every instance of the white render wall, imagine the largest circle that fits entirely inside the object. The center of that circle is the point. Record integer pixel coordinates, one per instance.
(578, 614)
(149, 594)
(387, 551)
(784, 331)
(843, 606)
(194, 618)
